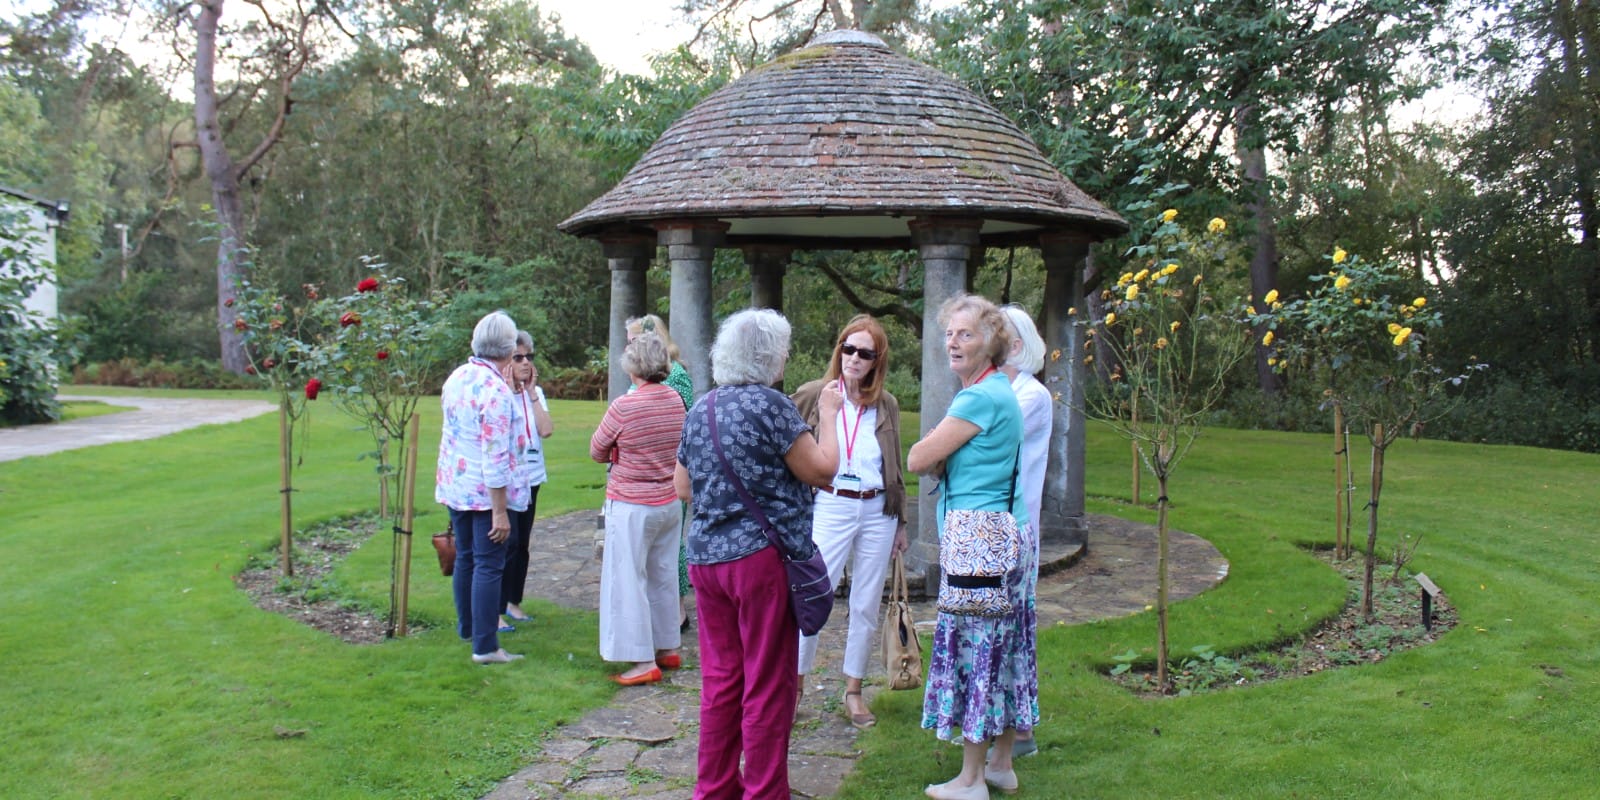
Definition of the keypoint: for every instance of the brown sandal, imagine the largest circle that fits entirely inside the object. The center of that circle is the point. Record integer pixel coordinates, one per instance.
(860, 721)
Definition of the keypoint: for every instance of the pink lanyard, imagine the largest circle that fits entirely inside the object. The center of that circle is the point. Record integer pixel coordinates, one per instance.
(851, 435)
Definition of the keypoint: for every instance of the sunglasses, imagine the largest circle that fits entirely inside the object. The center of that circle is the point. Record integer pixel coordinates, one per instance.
(522, 357)
(866, 353)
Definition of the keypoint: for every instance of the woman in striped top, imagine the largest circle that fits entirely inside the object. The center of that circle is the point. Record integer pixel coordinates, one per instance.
(638, 438)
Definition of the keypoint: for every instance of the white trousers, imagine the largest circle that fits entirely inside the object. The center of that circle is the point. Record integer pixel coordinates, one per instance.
(639, 581)
(854, 533)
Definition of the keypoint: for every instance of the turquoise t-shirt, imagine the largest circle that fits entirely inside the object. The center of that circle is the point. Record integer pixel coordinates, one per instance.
(978, 475)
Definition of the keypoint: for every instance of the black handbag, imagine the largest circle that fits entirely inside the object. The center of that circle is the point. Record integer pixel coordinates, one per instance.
(810, 591)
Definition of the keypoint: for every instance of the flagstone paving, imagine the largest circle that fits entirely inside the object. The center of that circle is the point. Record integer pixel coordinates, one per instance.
(643, 744)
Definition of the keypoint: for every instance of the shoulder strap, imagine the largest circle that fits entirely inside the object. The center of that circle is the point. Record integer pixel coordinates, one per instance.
(733, 477)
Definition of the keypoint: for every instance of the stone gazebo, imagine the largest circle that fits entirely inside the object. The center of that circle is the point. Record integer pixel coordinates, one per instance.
(848, 145)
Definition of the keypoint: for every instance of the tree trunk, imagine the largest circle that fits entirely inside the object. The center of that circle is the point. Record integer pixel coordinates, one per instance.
(1264, 262)
(1576, 34)
(223, 175)
(1161, 584)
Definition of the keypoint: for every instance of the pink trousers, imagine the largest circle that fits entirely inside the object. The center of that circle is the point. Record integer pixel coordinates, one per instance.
(748, 645)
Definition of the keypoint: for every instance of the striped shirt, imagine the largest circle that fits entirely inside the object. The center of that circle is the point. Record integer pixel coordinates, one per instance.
(638, 437)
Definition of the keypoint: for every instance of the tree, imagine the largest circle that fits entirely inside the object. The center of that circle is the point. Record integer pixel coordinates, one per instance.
(276, 50)
(1171, 91)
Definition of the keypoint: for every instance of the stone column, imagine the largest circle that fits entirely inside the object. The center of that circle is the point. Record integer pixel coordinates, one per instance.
(945, 246)
(1065, 317)
(767, 264)
(629, 257)
(691, 245)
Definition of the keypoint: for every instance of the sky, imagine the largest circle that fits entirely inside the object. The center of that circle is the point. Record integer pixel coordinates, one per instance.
(621, 33)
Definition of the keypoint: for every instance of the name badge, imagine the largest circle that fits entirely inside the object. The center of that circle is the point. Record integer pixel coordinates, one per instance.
(850, 483)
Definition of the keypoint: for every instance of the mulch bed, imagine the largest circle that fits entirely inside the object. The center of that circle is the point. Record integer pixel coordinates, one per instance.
(316, 553)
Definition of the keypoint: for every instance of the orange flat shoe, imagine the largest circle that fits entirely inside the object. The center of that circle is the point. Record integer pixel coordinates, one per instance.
(653, 676)
(674, 661)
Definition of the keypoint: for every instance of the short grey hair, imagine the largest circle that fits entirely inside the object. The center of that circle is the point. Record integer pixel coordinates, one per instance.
(495, 337)
(1031, 358)
(646, 358)
(525, 339)
(986, 316)
(751, 348)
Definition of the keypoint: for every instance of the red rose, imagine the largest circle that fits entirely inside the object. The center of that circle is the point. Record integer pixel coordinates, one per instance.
(250, 370)
(383, 355)
(312, 387)
(240, 325)
(367, 285)
(276, 324)
(349, 318)
(269, 363)
(228, 303)
(311, 290)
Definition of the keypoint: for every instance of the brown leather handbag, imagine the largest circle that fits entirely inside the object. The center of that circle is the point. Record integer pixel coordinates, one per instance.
(902, 651)
(445, 544)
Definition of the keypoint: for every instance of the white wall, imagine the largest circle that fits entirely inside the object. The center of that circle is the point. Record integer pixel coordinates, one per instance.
(39, 225)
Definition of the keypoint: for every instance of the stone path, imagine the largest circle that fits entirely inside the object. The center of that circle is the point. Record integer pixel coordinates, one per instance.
(154, 416)
(643, 745)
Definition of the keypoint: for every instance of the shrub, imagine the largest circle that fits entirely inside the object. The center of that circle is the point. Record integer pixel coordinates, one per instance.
(193, 373)
(28, 350)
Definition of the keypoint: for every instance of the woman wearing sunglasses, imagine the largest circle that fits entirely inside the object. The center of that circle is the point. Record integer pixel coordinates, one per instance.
(859, 519)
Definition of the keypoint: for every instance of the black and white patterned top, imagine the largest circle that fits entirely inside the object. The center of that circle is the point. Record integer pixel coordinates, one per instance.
(758, 425)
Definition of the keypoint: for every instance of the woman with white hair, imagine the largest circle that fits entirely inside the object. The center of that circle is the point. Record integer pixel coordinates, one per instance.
(1024, 360)
(749, 639)
(480, 479)
(638, 438)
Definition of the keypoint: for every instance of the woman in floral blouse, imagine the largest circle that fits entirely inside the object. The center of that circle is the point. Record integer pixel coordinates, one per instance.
(480, 480)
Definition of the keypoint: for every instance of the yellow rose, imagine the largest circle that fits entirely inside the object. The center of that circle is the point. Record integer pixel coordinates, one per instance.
(1339, 255)
(1198, 278)
(1217, 225)
(1420, 302)
(1272, 362)
(1342, 281)
(1401, 337)
(1126, 276)
(1072, 312)
(1174, 326)
(1161, 343)
(1088, 359)
(1272, 297)
(1111, 319)
(1266, 341)
(1394, 328)
(1169, 215)
(1133, 292)
(1142, 274)
(1169, 269)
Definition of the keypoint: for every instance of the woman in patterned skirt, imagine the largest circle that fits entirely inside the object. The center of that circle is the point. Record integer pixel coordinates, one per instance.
(982, 679)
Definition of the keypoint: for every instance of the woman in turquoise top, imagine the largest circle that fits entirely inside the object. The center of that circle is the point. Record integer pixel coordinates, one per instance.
(982, 679)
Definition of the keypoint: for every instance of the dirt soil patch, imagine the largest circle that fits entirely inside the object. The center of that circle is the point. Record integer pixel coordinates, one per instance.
(1345, 640)
(310, 596)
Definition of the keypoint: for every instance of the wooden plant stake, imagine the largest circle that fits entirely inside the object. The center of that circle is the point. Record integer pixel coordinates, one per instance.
(1341, 544)
(286, 465)
(408, 510)
(1372, 521)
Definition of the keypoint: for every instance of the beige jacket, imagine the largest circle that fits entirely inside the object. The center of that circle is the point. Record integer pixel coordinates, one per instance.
(887, 433)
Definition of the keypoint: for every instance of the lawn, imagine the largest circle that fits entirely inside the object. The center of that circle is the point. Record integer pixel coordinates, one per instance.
(134, 668)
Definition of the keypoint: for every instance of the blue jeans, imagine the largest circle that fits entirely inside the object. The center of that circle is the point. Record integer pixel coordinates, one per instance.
(479, 563)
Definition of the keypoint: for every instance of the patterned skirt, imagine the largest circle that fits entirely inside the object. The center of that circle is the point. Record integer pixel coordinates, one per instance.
(983, 676)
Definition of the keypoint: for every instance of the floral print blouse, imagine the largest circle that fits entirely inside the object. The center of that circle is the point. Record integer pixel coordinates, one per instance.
(479, 446)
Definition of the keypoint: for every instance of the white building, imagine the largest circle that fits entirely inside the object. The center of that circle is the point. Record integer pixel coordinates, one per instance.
(41, 218)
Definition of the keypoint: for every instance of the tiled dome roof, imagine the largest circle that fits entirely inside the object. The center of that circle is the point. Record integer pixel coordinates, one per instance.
(845, 140)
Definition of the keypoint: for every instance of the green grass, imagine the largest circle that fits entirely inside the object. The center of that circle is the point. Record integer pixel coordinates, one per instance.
(133, 667)
(1501, 706)
(80, 409)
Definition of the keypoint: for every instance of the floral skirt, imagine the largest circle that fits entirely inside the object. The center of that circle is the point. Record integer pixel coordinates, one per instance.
(982, 675)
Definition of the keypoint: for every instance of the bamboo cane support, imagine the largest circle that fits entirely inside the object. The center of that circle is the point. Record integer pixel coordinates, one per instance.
(1372, 523)
(1341, 486)
(285, 468)
(408, 510)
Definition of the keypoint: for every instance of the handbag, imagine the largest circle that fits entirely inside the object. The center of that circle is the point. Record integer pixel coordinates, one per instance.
(445, 544)
(810, 591)
(902, 650)
(976, 550)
